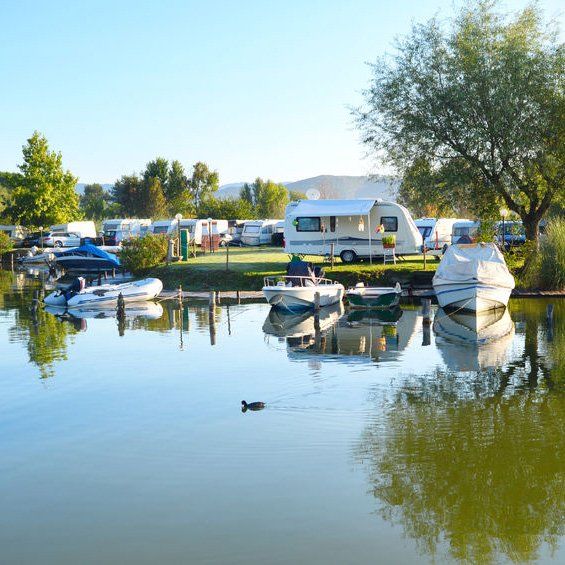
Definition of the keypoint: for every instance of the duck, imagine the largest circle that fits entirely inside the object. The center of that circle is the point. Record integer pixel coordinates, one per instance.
(251, 406)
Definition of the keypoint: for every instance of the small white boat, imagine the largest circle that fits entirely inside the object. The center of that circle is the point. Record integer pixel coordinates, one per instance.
(77, 296)
(373, 297)
(473, 277)
(296, 293)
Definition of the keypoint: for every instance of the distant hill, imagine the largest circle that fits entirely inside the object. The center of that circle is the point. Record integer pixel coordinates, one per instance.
(80, 186)
(331, 186)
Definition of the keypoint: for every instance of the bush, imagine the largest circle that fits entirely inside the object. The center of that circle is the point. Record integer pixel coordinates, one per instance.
(143, 253)
(552, 265)
(5, 243)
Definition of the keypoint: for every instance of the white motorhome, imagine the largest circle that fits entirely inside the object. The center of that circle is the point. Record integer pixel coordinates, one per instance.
(258, 232)
(199, 228)
(436, 232)
(117, 230)
(82, 229)
(355, 228)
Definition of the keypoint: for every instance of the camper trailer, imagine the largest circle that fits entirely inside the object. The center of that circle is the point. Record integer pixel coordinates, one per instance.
(81, 229)
(351, 229)
(465, 231)
(199, 228)
(117, 230)
(436, 233)
(163, 227)
(258, 232)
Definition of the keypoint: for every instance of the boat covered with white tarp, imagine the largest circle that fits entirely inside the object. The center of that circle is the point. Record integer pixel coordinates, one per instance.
(473, 277)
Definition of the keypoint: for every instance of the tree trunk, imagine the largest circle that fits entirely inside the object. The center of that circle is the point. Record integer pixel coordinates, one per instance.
(531, 227)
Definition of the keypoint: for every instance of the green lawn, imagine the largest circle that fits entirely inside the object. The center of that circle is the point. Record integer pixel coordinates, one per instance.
(248, 266)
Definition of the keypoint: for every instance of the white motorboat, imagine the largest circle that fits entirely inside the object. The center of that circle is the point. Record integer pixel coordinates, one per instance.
(473, 341)
(294, 293)
(473, 277)
(77, 296)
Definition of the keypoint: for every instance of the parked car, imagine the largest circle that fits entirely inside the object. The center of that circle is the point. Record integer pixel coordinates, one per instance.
(32, 239)
(61, 239)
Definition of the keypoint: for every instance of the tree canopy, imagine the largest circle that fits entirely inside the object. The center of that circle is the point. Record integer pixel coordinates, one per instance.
(95, 202)
(45, 193)
(267, 197)
(486, 91)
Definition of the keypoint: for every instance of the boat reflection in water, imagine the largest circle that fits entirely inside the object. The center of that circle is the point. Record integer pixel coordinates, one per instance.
(473, 341)
(361, 335)
(78, 316)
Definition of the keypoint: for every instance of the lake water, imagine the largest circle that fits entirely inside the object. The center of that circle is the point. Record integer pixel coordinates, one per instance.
(381, 441)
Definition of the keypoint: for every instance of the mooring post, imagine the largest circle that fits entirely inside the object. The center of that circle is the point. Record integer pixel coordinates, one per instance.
(427, 311)
(218, 298)
(121, 308)
(12, 261)
(317, 302)
(99, 278)
(237, 296)
(332, 251)
(179, 294)
(211, 300)
(212, 317)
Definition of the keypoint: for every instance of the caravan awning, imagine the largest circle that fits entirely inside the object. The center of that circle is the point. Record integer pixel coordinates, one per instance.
(324, 208)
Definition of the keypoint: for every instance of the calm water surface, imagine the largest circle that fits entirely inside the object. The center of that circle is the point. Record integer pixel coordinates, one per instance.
(381, 442)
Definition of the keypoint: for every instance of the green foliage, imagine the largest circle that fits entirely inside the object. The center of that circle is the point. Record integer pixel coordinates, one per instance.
(95, 202)
(488, 92)
(126, 193)
(153, 203)
(45, 193)
(389, 239)
(293, 196)
(202, 183)
(142, 253)
(552, 267)
(231, 209)
(5, 243)
(268, 198)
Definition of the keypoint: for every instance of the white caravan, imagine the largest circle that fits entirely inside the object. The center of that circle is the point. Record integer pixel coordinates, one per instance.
(258, 232)
(436, 232)
(163, 227)
(117, 230)
(82, 229)
(355, 228)
(199, 228)
(465, 230)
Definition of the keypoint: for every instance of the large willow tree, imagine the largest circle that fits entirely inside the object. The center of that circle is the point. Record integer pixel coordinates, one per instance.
(486, 89)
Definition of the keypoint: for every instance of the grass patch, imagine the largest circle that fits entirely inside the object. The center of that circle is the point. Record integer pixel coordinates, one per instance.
(248, 266)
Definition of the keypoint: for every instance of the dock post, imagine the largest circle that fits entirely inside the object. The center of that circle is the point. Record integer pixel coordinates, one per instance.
(549, 317)
(211, 300)
(427, 310)
(121, 308)
(99, 278)
(211, 317)
(12, 261)
(332, 252)
(317, 302)
(218, 298)
(180, 295)
(237, 296)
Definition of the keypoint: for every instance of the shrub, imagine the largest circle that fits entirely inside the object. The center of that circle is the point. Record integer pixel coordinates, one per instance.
(389, 240)
(552, 265)
(5, 243)
(143, 253)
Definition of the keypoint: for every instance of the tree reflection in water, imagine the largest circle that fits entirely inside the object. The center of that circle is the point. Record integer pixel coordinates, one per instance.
(475, 462)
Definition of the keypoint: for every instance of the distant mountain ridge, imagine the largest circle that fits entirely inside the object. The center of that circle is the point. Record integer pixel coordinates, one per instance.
(332, 186)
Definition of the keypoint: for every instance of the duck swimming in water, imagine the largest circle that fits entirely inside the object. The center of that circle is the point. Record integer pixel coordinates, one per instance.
(251, 406)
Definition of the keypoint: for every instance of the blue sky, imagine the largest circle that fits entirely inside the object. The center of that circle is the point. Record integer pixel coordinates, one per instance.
(254, 88)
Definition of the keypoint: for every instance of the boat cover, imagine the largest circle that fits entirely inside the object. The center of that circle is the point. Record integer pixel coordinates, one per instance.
(89, 249)
(480, 262)
(325, 208)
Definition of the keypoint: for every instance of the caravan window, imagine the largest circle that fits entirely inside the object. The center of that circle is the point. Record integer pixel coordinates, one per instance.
(308, 224)
(160, 229)
(332, 223)
(251, 229)
(390, 223)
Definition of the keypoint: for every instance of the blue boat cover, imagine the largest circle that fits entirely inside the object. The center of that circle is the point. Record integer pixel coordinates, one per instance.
(89, 249)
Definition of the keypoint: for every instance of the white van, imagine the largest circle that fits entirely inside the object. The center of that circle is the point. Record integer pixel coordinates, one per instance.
(354, 228)
(436, 232)
(82, 229)
(258, 232)
(199, 228)
(117, 230)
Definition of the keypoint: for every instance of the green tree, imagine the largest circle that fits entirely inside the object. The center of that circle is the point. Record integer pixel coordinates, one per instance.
(203, 182)
(270, 198)
(247, 193)
(230, 209)
(177, 191)
(152, 203)
(95, 202)
(45, 193)
(126, 193)
(488, 91)
(159, 169)
(8, 181)
(294, 195)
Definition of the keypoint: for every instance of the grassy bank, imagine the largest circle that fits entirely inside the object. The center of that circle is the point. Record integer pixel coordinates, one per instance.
(248, 266)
